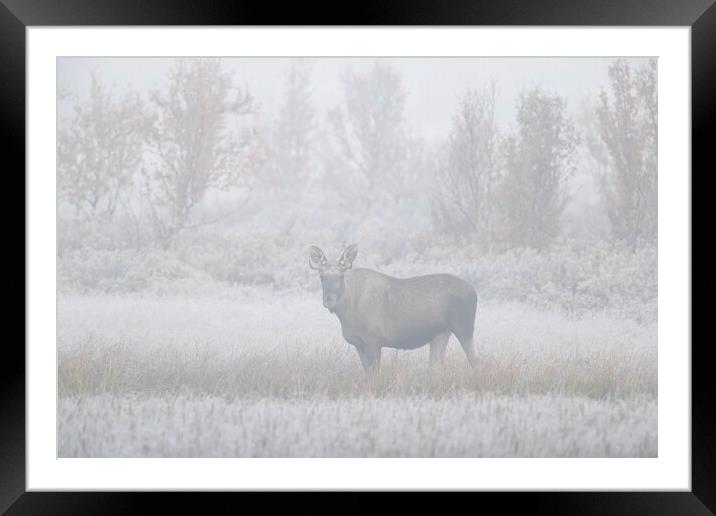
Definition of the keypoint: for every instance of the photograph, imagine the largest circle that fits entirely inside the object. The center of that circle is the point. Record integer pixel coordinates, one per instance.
(353, 257)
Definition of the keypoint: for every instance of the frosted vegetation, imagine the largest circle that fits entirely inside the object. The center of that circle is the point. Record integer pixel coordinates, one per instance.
(201, 376)
(467, 425)
(189, 323)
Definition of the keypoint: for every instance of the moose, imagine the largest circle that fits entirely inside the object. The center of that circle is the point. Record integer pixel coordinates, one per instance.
(379, 311)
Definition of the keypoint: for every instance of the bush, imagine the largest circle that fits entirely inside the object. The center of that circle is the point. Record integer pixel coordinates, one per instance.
(152, 270)
(574, 277)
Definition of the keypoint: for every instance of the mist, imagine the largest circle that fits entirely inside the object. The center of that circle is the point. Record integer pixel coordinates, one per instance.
(190, 191)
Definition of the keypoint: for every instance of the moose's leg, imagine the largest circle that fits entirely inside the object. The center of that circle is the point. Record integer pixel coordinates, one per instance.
(378, 353)
(370, 358)
(469, 347)
(437, 349)
(363, 358)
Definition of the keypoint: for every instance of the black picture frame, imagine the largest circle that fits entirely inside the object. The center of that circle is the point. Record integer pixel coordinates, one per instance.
(16, 15)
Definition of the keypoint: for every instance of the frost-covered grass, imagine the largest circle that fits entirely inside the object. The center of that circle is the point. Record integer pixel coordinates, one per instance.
(257, 372)
(464, 425)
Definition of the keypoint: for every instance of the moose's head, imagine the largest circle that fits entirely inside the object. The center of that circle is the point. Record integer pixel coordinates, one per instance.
(332, 273)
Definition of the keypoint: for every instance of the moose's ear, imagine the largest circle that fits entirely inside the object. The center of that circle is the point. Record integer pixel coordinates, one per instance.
(349, 254)
(317, 258)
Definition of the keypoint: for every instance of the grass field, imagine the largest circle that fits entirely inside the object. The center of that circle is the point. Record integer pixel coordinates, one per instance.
(262, 373)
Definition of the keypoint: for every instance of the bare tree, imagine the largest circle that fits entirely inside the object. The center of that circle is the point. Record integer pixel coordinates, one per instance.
(99, 150)
(195, 147)
(468, 169)
(293, 139)
(627, 124)
(369, 129)
(538, 160)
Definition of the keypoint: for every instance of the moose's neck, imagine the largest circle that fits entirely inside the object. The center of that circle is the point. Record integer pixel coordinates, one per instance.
(343, 305)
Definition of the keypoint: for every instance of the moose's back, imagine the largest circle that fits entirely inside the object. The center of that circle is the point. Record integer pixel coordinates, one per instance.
(409, 312)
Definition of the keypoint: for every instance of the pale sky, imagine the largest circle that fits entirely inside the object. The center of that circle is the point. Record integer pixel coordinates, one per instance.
(433, 85)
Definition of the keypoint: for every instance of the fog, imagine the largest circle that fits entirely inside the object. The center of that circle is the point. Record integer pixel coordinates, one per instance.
(433, 84)
(190, 315)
